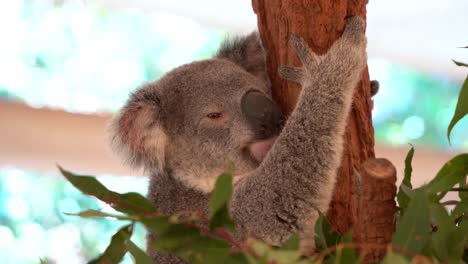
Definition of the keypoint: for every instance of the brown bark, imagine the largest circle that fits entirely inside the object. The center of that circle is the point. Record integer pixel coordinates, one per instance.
(376, 207)
(320, 23)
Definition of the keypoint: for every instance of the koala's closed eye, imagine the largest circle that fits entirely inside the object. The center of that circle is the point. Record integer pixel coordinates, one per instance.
(215, 115)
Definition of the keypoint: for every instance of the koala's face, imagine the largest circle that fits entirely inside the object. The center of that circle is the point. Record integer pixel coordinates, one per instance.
(199, 119)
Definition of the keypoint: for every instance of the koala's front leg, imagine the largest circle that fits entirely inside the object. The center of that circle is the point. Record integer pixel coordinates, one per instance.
(298, 174)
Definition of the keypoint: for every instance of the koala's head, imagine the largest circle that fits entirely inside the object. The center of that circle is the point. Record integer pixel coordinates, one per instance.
(201, 117)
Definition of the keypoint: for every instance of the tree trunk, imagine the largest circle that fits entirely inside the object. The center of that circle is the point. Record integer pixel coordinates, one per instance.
(320, 23)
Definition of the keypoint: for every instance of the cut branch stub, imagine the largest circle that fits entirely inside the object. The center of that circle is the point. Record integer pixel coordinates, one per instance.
(376, 209)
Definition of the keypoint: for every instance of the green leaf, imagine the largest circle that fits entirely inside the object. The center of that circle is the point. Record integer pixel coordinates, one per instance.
(402, 197)
(219, 203)
(237, 259)
(346, 255)
(459, 63)
(117, 249)
(213, 256)
(460, 209)
(176, 236)
(130, 203)
(139, 256)
(325, 236)
(292, 243)
(412, 232)
(45, 261)
(274, 255)
(463, 192)
(449, 175)
(461, 109)
(445, 228)
(99, 214)
(458, 242)
(157, 224)
(394, 258)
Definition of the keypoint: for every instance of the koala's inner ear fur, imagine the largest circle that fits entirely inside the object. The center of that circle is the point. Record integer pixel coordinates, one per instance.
(246, 52)
(137, 134)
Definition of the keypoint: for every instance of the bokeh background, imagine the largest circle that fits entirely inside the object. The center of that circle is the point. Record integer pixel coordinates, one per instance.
(66, 66)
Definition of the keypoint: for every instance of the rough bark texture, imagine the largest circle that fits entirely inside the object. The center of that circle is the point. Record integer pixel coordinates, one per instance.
(376, 199)
(320, 23)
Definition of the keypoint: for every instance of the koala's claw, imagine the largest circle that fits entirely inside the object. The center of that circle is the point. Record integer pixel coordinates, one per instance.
(295, 74)
(307, 57)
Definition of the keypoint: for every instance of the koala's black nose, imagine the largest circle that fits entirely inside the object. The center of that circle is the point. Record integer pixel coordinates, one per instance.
(262, 113)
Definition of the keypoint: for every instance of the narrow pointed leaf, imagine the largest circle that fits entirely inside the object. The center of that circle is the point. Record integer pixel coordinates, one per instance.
(100, 214)
(139, 256)
(460, 209)
(325, 236)
(461, 109)
(402, 197)
(445, 228)
(130, 203)
(449, 175)
(117, 249)
(459, 63)
(346, 255)
(394, 258)
(219, 203)
(412, 232)
(292, 243)
(463, 192)
(458, 242)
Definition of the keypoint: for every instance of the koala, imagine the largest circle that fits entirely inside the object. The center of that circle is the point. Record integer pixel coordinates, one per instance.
(186, 127)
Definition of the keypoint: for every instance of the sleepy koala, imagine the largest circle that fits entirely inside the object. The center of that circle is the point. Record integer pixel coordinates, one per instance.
(186, 127)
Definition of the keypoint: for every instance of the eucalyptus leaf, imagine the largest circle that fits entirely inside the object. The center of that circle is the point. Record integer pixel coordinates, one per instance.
(100, 214)
(463, 191)
(176, 236)
(449, 175)
(117, 249)
(458, 242)
(459, 63)
(402, 197)
(275, 255)
(130, 203)
(412, 231)
(461, 110)
(325, 236)
(345, 255)
(444, 229)
(219, 203)
(292, 243)
(460, 209)
(139, 256)
(394, 258)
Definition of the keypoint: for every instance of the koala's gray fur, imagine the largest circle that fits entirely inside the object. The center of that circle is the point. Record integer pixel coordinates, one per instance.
(186, 127)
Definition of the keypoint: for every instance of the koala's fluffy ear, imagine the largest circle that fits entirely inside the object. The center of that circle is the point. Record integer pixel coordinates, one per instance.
(136, 132)
(246, 52)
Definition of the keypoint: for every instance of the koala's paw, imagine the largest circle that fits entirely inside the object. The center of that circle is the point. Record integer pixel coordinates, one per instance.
(309, 60)
(294, 74)
(351, 47)
(354, 31)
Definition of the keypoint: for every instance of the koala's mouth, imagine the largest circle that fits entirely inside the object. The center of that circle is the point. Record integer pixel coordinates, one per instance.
(259, 149)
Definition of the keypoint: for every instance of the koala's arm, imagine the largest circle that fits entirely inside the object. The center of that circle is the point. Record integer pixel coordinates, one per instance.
(298, 174)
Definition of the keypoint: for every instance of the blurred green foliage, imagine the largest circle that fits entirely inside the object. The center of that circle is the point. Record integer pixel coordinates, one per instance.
(425, 230)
